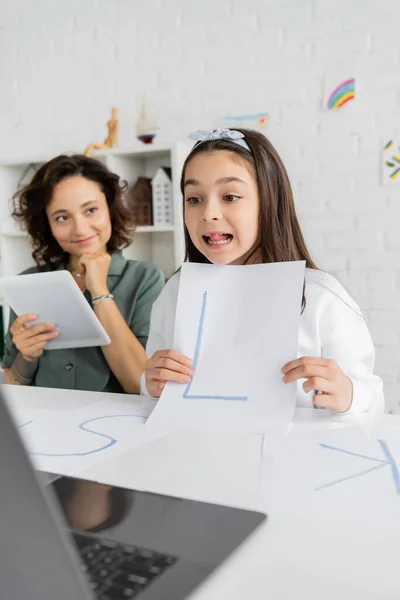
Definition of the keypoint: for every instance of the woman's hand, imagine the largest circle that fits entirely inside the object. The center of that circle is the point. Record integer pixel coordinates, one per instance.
(324, 375)
(167, 365)
(94, 268)
(31, 341)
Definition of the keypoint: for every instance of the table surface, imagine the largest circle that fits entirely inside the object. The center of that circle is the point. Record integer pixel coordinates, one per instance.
(299, 552)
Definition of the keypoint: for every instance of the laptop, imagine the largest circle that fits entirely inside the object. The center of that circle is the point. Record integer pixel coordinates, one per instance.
(73, 539)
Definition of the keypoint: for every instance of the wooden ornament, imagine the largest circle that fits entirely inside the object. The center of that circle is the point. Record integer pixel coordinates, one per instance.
(140, 201)
(111, 140)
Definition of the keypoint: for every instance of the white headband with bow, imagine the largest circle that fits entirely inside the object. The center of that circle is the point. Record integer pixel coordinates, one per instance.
(230, 135)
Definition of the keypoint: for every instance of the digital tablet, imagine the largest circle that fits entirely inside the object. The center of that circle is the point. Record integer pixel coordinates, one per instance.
(55, 297)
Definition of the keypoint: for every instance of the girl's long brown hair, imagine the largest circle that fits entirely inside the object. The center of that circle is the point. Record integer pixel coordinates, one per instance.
(280, 238)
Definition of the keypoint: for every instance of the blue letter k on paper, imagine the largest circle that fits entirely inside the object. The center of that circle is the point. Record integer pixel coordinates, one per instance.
(389, 462)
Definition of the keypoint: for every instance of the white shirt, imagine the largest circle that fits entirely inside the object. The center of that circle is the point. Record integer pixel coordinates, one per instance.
(331, 326)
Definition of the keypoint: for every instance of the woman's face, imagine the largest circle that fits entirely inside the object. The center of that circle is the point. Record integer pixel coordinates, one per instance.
(221, 207)
(79, 217)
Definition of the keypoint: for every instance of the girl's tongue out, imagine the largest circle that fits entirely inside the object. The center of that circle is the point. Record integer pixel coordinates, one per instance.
(218, 238)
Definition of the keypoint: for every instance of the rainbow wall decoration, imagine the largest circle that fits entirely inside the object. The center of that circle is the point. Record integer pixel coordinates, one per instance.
(391, 163)
(344, 92)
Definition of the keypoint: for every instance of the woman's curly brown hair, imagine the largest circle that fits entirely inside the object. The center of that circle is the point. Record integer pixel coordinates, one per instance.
(29, 206)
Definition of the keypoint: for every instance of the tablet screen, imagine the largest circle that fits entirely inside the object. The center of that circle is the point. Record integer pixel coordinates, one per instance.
(55, 297)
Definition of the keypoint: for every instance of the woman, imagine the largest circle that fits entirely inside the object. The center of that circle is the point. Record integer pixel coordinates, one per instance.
(74, 213)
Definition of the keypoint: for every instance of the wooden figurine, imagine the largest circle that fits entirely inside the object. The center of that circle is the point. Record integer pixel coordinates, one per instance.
(111, 140)
(140, 201)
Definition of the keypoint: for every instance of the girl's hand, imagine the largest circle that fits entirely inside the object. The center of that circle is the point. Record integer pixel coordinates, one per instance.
(324, 375)
(31, 341)
(94, 268)
(167, 365)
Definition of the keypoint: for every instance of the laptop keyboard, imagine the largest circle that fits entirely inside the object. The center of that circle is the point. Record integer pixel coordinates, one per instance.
(117, 571)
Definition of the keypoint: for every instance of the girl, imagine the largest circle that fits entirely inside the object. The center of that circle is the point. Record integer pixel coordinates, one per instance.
(239, 209)
(74, 213)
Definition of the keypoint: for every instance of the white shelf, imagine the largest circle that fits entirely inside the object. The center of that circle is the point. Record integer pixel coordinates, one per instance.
(162, 245)
(154, 228)
(137, 151)
(9, 228)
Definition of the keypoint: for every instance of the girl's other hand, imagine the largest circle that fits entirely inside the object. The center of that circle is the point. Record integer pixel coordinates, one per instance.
(167, 365)
(31, 341)
(324, 375)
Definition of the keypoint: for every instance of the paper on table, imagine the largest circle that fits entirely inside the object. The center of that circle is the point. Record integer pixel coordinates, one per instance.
(240, 326)
(71, 440)
(338, 472)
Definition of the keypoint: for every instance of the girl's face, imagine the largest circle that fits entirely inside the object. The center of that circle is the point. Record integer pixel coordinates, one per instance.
(79, 217)
(221, 206)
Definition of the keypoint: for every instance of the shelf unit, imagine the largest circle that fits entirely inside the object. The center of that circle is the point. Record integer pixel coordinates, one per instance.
(161, 245)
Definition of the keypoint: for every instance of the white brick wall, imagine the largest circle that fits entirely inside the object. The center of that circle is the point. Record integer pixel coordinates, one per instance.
(64, 64)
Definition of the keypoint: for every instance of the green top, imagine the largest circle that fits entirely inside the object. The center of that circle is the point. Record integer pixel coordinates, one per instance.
(135, 286)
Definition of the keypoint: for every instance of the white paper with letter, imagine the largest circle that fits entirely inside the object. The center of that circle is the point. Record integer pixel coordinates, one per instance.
(240, 326)
(346, 473)
(67, 431)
